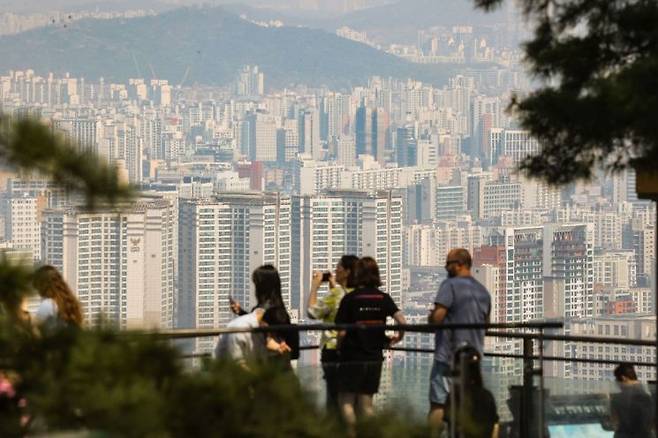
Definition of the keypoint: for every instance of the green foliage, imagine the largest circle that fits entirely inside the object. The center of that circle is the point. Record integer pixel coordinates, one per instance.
(30, 146)
(225, 400)
(392, 424)
(15, 283)
(134, 385)
(597, 61)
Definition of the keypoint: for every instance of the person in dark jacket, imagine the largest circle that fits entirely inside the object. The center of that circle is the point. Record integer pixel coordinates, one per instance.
(631, 410)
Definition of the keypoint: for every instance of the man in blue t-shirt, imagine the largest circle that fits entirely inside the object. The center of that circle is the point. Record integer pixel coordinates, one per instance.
(461, 300)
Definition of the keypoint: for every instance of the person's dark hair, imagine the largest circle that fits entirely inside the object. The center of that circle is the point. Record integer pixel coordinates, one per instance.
(268, 293)
(268, 286)
(50, 284)
(367, 273)
(625, 370)
(462, 256)
(473, 372)
(348, 262)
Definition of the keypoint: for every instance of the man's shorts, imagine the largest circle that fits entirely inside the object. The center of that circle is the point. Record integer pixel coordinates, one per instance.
(439, 383)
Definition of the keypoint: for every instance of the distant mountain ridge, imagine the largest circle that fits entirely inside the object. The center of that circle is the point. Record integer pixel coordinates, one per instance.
(212, 43)
(397, 21)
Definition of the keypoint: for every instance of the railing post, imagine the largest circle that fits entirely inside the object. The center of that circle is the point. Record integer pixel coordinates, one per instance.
(527, 405)
(540, 401)
(655, 304)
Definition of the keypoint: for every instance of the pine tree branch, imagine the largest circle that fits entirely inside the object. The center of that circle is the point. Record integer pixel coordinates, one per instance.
(29, 146)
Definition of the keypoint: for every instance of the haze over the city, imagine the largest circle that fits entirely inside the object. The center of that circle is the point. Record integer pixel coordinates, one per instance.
(293, 132)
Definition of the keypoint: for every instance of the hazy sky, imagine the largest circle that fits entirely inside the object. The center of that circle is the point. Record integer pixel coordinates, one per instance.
(50, 5)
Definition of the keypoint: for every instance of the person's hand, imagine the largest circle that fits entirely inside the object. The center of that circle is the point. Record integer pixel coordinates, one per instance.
(395, 339)
(235, 307)
(284, 348)
(332, 281)
(317, 280)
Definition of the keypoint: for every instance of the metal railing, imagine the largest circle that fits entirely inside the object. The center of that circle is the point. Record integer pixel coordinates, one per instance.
(533, 363)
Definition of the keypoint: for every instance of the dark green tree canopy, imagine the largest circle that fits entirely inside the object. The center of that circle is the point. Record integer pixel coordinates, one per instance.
(597, 106)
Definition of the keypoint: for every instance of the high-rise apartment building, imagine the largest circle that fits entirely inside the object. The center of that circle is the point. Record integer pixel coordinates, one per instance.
(121, 265)
(251, 82)
(330, 225)
(287, 141)
(514, 144)
(222, 240)
(309, 133)
(346, 151)
(22, 214)
(262, 136)
(371, 131)
(488, 198)
(568, 256)
(640, 237)
(450, 202)
(336, 110)
(561, 255)
(311, 177)
(407, 146)
(615, 269)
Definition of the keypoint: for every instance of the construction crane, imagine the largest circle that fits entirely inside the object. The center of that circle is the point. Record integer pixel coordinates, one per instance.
(187, 73)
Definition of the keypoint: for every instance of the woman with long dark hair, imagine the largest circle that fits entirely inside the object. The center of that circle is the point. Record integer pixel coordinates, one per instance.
(267, 283)
(59, 307)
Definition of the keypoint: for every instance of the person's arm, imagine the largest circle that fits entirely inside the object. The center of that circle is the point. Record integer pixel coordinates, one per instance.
(236, 307)
(314, 308)
(442, 304)
(495, 431)
(400, 320)
(438, 314)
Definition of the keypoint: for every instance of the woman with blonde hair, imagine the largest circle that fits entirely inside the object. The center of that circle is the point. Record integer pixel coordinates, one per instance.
(59, 307)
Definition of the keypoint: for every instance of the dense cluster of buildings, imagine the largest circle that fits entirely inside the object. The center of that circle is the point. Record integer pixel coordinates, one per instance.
(235, 177)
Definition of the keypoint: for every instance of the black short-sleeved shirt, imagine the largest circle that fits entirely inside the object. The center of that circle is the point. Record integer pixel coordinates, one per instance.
(368, 306)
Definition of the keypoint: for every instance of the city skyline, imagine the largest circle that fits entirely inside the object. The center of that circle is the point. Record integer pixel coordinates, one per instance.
(256, 171)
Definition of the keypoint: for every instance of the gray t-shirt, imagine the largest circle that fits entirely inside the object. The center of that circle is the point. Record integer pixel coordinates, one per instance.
(468, 302)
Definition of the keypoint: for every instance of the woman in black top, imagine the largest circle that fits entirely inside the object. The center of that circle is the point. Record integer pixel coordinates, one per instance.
(268, 294)
(360, 351)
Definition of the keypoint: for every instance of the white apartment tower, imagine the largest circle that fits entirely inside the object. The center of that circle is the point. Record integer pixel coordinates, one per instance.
(22, 214)
(222, 240)
(328, 226)
(120, 264)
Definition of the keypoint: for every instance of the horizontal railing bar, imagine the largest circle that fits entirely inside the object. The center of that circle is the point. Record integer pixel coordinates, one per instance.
(572, 338)
(428, 328)
(201, 355)
(520, 356)
(488, 354)
(195, 356)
